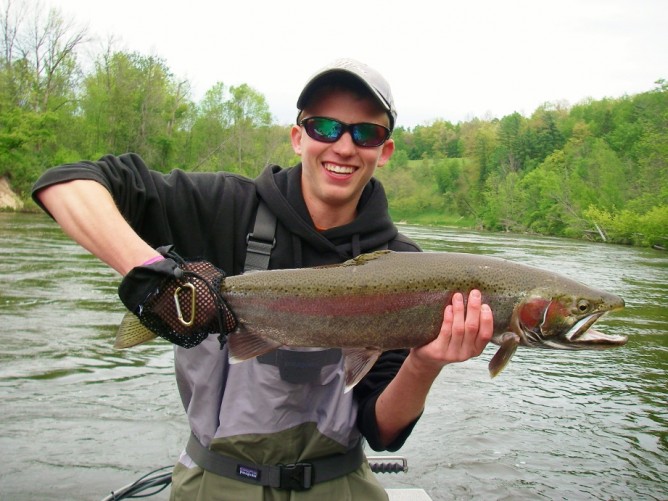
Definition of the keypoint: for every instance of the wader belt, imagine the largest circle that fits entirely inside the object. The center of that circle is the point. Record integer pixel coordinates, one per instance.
(295, 476)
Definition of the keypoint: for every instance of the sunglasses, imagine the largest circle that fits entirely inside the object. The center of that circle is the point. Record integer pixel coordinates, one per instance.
(328, 130)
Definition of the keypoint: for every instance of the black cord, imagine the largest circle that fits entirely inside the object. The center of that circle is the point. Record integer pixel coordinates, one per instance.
(135, 490)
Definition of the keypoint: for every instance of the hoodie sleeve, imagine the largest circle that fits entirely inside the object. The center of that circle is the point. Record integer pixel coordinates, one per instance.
(202, 214)
(142, 195)
(367, 392)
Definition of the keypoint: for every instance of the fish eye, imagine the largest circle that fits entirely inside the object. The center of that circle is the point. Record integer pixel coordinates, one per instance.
(583, 306)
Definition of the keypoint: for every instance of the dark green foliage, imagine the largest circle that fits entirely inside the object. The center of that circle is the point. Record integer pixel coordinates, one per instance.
(597, 170)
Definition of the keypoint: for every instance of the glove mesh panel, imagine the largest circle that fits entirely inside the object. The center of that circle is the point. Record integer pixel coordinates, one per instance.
(212, 315)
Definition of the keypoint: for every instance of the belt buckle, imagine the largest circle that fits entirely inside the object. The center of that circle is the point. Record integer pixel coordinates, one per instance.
(296, 476)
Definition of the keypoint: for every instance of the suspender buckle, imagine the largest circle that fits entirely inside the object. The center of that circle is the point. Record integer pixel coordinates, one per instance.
(296, 476)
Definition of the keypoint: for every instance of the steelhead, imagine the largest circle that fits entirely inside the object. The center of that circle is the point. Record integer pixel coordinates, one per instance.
(388, 300)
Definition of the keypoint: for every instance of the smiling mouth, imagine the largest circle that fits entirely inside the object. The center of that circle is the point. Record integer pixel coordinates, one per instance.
(339, 169)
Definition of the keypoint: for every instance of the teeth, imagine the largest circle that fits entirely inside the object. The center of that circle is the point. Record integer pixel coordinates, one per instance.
(339, 169)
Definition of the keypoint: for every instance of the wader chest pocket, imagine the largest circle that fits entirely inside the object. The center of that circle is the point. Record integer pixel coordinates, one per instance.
(299, 367)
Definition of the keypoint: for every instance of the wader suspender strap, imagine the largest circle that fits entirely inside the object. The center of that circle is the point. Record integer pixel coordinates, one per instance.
(295, 476)
(261, 241)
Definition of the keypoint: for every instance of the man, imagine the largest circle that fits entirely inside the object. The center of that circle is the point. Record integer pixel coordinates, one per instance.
(263, 412)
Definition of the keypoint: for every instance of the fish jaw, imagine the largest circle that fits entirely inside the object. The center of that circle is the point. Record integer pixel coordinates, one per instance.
(566, 324)
(582, 336)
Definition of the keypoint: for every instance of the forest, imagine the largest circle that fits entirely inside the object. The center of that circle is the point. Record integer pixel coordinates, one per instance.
(596, 169)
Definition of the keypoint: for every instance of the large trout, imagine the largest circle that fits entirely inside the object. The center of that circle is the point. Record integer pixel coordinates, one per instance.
(388, 300)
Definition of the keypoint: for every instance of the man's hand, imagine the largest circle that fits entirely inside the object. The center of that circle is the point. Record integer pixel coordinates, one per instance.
(178, 300)
(465, 332)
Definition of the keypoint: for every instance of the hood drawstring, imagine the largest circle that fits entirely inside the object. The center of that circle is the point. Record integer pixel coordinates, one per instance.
(297, 251)
(356, 247)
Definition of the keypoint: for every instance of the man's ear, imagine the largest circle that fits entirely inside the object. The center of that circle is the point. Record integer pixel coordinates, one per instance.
(386, 153)
(296, 139)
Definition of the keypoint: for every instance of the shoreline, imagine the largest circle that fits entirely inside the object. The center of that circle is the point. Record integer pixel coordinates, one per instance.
(9, 200)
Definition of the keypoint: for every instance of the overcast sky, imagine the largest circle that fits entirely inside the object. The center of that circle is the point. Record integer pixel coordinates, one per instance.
(444, 59)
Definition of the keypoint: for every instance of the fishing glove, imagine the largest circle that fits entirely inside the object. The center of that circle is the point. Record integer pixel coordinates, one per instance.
(178, 300)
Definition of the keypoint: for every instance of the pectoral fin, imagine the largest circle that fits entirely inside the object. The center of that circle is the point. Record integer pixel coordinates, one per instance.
(131, 332)
(244, 345)
(357, 362)
(509, 343)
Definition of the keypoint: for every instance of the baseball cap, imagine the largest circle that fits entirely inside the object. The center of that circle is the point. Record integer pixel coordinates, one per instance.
(372, 80)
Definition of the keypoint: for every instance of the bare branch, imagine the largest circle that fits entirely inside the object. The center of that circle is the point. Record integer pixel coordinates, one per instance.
(10, 23)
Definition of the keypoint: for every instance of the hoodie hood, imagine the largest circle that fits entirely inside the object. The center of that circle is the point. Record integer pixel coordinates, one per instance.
(372, 229)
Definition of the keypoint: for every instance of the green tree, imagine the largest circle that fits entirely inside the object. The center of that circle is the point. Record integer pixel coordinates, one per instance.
(249, 118)
(208, 133)
(544, 136)
(132, 103)
(38, 69)
(511, 150)
(549, 207)
(503, 202)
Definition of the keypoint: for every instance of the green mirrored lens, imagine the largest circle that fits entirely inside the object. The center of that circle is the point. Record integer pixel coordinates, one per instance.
(327, 128)
(368, 134)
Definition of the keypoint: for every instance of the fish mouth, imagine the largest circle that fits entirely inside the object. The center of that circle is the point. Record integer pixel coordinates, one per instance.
(579, 337)
(582, 336)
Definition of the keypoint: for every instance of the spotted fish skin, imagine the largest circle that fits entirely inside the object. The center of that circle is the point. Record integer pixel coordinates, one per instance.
(389, 300)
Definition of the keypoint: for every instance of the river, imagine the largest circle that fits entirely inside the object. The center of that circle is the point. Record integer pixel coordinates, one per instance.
(79, 419)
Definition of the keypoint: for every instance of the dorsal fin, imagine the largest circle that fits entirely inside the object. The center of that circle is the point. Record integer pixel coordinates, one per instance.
(365, 258)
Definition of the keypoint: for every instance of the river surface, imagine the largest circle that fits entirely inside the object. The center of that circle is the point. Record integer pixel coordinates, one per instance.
(79, 419)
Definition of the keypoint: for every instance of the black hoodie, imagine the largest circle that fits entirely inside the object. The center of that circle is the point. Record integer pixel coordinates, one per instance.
(209, 215)
(299, 244)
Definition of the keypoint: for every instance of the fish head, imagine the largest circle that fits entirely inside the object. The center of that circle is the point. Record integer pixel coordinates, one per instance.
(563, 320)
(557, 315)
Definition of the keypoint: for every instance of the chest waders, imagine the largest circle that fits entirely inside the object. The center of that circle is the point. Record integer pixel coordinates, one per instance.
(294, 367)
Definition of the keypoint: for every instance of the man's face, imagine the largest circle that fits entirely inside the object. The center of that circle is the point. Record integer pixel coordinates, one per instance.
(334, 174)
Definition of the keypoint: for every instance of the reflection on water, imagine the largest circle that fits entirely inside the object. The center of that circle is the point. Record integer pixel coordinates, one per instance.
(81, 419)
